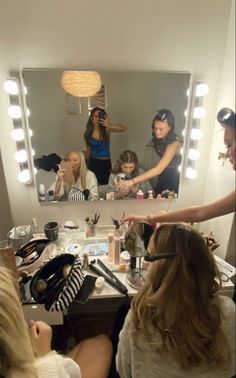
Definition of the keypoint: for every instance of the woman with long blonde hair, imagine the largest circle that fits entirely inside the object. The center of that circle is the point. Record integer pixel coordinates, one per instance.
(83, 185)
(178, 326)
(25, 352)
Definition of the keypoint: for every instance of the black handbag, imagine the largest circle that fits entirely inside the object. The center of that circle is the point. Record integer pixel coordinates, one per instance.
(58, 282)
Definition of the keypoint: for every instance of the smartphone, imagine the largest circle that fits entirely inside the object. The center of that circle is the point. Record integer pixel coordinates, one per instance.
(68, 175)
(86, 289)
(101, 116)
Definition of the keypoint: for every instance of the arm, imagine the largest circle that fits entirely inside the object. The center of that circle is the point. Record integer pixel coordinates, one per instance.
(223, 206)
(170, 152)
(111, 127)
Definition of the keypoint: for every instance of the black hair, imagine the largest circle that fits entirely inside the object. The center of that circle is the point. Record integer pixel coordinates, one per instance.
(89, 127)
(226, 116)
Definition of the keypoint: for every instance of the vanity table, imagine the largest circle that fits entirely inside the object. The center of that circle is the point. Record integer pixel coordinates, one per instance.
(105, 301)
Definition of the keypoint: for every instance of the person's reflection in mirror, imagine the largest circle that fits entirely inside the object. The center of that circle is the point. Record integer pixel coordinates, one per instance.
(126, 168)
(167, 146)
(222, 206)
(97, 140)
(84, 182)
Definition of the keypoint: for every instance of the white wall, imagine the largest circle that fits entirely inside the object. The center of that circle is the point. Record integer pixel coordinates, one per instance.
(183, 35)
(220, 180)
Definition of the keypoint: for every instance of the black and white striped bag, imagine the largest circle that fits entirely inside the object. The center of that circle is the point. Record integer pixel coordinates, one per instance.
(76, 195)
(60, 291)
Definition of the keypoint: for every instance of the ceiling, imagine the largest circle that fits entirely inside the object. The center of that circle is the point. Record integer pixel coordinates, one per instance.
(113, 35)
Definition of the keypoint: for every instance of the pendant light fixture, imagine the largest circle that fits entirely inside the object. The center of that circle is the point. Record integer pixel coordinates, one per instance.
(81, 83)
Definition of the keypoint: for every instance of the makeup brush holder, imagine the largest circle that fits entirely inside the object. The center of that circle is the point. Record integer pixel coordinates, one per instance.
(90, 230)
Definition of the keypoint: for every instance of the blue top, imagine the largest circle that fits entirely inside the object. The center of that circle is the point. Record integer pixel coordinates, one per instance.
(100, 148)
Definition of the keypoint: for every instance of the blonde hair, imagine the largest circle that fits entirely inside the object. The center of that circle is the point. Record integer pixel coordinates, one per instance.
(16, 351)
(179, 299)
(83, 167)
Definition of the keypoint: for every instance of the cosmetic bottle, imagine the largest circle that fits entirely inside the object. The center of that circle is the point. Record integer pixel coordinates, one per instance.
(42, 193)
(116, 249)
(140, 195)
(110, 238)
(51, 195)
(150, 194)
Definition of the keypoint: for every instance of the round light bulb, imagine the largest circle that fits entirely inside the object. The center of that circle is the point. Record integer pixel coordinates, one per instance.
(11, 87)
(18, 135)
(30, 133)
(14, 111)
(21, 156)
(196, 134)
(28, 112)
(188, 91)
(33, 152)
(24, 176)
(193, 154)
(202, 90)
(191, 173)
(183, 132)
(181, 151)
(185, 113)
(35, 171)
(25, 90)
(199, 112)
(179, 168)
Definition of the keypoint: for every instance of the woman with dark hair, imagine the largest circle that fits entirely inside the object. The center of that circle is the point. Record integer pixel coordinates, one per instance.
(167, 146)
(97, 140)
(224, 205)
(179, 325)
(126, 168)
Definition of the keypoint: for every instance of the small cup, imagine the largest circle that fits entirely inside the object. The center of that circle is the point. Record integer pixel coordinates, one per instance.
(51, 230)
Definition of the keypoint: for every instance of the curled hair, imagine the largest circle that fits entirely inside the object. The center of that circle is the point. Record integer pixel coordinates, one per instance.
(179, 299)
(127, 156)
(226, 116)
(16, 350)
(83, 167)
(89, 127)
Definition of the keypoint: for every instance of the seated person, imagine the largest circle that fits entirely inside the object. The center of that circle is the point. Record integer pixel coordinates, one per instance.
(83, 185)
(126, 168)
(178, 325)
(26, 352)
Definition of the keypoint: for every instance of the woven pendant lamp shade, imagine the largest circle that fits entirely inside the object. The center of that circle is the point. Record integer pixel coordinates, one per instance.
(81, 83)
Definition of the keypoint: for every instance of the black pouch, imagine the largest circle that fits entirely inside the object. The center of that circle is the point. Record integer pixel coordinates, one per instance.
(59, 291)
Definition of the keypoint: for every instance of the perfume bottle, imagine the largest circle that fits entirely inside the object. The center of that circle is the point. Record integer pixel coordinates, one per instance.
(42, 193)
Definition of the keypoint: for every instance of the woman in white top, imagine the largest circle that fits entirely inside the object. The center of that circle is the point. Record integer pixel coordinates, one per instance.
(84, 182)
(26, 352)
(178, 326)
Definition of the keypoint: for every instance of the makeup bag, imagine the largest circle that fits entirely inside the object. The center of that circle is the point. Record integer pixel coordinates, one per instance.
(58, 282)
(32, 255)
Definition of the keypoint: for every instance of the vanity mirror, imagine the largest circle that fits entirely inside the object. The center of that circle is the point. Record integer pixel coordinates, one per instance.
(132, 100)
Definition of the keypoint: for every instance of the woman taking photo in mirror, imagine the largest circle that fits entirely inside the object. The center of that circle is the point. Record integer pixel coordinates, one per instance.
(167, 146)
(126, 168)
(75, 182)
(178, 325)
(225, 205)
(97, 140)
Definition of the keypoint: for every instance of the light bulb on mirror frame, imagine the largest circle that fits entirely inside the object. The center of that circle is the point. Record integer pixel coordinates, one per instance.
(18, 135)
(202, 89)
(191, 173)
(14, 111)
(21, 156)
(196, 134)
(24, 176)
(199, 112)
(193, 154)
(10, 86)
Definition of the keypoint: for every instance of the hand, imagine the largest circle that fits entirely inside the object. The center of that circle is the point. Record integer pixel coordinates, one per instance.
(41, 336)
(104, 122)
(131, 218)
(125, 184)
(61, 174)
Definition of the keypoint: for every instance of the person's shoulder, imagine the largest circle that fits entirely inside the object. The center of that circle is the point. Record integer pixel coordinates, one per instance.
(90, 175)
(227, 305)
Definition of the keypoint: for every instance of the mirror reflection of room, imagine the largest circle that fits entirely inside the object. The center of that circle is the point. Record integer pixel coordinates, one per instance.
(125, 123)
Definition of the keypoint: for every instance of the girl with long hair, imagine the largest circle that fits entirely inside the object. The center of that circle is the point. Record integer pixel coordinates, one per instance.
(178, 325)
(25, 352)
(97, 140)
(84, 184)
(167, 145)
(127, 167)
